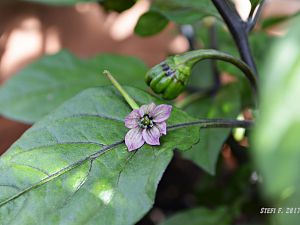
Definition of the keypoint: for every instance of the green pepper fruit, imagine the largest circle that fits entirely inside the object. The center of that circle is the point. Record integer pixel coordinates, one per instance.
(169, 77)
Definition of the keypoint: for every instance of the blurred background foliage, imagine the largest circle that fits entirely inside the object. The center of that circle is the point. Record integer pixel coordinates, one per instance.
(149, 31)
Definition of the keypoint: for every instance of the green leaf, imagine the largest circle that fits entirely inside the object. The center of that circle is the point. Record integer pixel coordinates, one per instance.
(45, 84)
(254, 4)
(62, 2)
(226, 104)
(276, 138)
(275, 20)
(150, 23)
(200, 216)
(185, 12)
(118, 6)
(73, 168)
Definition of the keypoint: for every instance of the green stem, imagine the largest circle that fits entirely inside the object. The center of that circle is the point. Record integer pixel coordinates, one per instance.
(127, 97)
(190, 58)
(215, 123)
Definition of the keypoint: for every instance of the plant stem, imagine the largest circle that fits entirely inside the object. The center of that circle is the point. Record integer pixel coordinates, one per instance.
(190, 58)
(215, 123)
(127, 97)
(188, 31)
(214, 67)
(237, 28)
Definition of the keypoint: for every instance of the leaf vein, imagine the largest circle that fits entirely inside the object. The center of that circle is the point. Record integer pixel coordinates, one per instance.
(62, 171)
(33, 167)
(54, 144)
(124, 166)
(96, 116)
(82, 182)
(10, 185)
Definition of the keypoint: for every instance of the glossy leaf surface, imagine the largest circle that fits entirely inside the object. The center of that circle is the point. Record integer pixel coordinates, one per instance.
(74, 168)
(45, 84)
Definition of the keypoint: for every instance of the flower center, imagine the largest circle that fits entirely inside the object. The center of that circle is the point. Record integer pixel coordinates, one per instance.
(146, 122)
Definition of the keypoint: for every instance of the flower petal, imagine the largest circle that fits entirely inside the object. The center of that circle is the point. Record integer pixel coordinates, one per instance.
(161, 113)
(131, 121)
(151, 136)
(134, 139)
(146, 109)
(162, 127)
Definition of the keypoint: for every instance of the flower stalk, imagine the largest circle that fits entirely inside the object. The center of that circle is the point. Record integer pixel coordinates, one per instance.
(171, 76)
(190, 58)
(127, 97)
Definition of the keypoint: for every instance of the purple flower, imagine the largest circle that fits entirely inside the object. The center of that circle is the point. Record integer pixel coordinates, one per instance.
(146, 124)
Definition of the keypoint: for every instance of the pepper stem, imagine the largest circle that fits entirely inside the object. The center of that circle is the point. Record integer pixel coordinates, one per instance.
(190, 58)
(117, 85)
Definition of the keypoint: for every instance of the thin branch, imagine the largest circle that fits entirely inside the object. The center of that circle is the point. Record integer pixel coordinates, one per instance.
(215, 123)
(188, 31)
(237, 28)
(214, 67)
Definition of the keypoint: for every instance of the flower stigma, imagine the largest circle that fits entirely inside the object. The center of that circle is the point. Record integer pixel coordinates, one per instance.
(146, 122)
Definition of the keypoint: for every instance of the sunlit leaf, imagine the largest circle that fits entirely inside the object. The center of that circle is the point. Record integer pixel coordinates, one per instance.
(185, 12)
(150, 23)
(73, 168)
(45, 84)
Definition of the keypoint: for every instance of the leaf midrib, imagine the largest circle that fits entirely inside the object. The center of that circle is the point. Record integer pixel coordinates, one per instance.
(70, 167)
(62, 171)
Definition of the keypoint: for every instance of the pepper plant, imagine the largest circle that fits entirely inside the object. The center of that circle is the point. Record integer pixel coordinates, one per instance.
(100, 143)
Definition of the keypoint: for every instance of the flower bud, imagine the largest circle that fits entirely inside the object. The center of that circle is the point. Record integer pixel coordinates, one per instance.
(169, 78)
